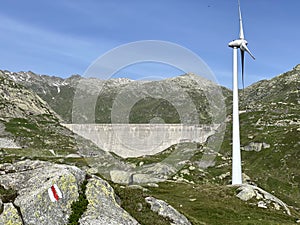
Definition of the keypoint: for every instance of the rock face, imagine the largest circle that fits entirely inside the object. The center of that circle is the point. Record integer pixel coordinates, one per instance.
(56, 91)
(17, 101)
(103, 207)
(167, 211)
(32, 179)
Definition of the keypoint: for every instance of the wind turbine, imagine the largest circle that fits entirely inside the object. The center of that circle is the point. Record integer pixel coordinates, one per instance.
(240, 43)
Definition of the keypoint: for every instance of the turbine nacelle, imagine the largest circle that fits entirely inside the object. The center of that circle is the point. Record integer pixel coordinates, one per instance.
(242, 45)
(237, 43)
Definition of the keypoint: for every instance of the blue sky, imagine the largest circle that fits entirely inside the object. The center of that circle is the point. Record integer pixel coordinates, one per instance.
(63, 37)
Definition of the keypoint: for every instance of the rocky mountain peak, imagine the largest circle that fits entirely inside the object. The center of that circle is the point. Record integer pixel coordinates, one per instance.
(19, 102)
(297, 67)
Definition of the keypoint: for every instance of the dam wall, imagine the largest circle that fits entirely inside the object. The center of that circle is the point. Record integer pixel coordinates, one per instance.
(134, 140)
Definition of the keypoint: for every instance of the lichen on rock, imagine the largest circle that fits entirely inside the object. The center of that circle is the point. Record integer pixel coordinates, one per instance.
(103, 207)
(167, 211)
(10, 215)
(32, 179)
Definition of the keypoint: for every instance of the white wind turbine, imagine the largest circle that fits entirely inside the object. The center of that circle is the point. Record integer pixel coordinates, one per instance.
(240, 43)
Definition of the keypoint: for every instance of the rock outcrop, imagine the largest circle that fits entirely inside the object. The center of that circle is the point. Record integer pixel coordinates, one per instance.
(254, 146)
(33, 179)
(10, 215)
(19, 102)
(8, 143)
(264, 198)
(103, 207)
(167, 211)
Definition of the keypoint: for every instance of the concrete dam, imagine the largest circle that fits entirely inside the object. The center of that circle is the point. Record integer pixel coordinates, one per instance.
(134, 140)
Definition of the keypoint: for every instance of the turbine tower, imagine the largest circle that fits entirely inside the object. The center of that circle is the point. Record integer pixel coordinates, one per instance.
(240, 43)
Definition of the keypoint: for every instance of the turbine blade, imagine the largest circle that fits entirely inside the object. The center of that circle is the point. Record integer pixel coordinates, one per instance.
(244, 47)
(241, 22)
(243, 67)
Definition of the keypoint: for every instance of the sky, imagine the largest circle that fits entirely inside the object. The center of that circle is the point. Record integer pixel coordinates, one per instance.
(63, 37)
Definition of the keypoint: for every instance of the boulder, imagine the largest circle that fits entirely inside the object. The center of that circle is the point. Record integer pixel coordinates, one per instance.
(262, 204)
(256, 146)
(32, 179)
(266, 199)
(145, 178)
(121, 177)
(103, 207)
(253, 146)
(10, 215)
(246, 193)
(167, 211)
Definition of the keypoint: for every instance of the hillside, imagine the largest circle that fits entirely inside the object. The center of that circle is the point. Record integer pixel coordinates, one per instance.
(57, 92)
(30, 129)
(282, 89)
(28, 120)
(269, 138)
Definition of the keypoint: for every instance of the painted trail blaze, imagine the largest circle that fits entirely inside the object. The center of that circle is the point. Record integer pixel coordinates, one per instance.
(54, 193)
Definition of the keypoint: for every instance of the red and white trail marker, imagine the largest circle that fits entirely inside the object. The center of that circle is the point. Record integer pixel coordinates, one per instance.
(54, 193)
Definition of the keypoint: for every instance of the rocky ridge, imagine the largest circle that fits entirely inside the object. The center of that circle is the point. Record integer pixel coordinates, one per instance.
(18, 102)
(282, 89)
(59, 94)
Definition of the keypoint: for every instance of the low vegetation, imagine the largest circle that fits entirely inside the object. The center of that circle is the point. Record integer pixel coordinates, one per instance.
(133, 201)
(7, 195)
(79, 207)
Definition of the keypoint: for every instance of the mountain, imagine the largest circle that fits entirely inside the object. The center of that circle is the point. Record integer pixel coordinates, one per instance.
(281, 89)
(59, 94)
(30, 129)
(17, 101)
(269, 137)
(28, 120)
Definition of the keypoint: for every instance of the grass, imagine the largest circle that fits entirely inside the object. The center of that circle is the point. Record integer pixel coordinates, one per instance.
(133, 201)
(213, 204)
(79, 207)
(201, 204)
(40, 132)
